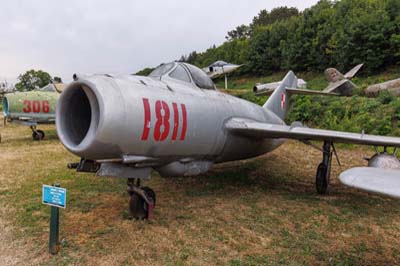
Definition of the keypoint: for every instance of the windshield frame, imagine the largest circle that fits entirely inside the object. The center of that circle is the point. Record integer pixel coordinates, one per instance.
(200, 77)
(162, 70)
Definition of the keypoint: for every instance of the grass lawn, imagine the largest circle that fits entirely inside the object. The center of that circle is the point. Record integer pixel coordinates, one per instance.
(263, 211)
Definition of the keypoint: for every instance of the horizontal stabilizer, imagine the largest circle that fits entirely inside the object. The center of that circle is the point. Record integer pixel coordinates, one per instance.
(268, 88)
(333, 86)
(293, 91)
(375, 180)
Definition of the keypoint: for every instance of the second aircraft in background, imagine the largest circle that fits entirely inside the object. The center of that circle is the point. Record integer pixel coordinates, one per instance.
(32, 108)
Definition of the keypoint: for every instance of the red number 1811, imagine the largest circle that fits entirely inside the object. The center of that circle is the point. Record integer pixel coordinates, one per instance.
(163, 121)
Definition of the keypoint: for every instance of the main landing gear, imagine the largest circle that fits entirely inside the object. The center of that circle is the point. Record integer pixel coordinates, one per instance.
(142, 200)
(324, 169)
(37, 134)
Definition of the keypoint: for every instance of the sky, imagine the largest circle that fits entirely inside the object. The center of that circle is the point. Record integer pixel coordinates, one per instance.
(115, 37)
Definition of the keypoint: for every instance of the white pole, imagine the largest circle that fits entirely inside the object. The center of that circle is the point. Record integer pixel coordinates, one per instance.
(226, 82)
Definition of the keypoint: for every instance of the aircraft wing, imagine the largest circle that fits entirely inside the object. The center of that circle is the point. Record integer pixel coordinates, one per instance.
(214, 75)
(376, 180)
(353, 72)
(261, 130)
(269, 91)
(334, 85)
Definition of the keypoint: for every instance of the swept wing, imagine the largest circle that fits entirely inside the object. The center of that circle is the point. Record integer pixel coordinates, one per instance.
(255, 129)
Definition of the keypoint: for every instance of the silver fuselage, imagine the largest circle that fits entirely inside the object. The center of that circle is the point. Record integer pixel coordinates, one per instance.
(102, 117)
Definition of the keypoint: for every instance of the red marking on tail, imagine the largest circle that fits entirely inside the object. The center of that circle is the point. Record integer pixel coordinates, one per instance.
(283, 100)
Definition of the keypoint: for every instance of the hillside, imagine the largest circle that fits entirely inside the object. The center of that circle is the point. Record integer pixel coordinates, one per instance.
(373, 115)
(331, 33)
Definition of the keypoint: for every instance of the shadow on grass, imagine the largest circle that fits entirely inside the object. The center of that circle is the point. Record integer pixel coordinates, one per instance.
(251, 178)
(26, 139)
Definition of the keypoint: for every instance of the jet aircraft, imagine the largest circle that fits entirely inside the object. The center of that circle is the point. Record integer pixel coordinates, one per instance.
(339, 84)
(32, 108)
(219, 68)
(177, 123)
(391, 86)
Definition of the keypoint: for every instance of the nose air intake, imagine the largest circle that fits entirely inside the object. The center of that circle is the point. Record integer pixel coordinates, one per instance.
(5, 106)
(77, 116)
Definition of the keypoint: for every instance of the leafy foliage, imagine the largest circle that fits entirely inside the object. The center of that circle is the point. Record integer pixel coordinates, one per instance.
(265, 18)
(241, 32)
(144, 72)
(33, 79)
(57, 80)
(373, 116)
(331, 33)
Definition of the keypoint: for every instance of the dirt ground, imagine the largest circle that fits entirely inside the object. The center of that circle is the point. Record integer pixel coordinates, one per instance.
(258, 212)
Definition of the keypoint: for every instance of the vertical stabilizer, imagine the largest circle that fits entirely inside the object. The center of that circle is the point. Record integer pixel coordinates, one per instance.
(279, 100)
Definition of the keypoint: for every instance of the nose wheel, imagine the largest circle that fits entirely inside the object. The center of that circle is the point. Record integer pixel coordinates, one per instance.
(37, 134)
(322, 178)
(142, 200)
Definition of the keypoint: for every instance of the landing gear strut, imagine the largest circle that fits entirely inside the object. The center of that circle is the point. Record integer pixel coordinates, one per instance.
(37, 134)
(324, 170)
(142, 200)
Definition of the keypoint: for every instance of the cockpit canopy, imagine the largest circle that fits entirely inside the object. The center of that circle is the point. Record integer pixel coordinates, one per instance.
(50, 88)
(53, 87)
(184, 72)
(219, 63)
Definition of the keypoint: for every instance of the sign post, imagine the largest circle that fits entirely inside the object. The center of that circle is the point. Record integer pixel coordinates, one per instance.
(56, 198)
(54, 243)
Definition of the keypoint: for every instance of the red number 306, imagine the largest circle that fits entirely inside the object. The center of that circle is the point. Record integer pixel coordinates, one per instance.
(163, 121)
(35, 106)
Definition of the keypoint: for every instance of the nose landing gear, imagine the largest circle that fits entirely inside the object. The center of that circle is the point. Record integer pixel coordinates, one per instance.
(37, 134)
(142, 200)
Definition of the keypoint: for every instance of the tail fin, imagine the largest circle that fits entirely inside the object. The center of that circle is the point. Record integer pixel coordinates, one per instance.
(353, 72)
(279, 100)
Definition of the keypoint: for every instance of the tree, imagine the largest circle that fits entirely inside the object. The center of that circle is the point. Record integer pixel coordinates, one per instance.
(57, 80)
(192, 57)
(266, 18)
(241, 32)
(182, 59)
(144, 72)
(331, 33)
(33, 79)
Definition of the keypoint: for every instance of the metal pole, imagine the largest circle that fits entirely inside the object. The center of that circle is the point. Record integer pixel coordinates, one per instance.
(226, 82)
(54, 243)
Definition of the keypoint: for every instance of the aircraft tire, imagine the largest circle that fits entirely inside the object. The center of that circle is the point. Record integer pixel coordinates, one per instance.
(38, 135)
(322, 179)
(138, 207)
(41, 134)
(151, 194)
